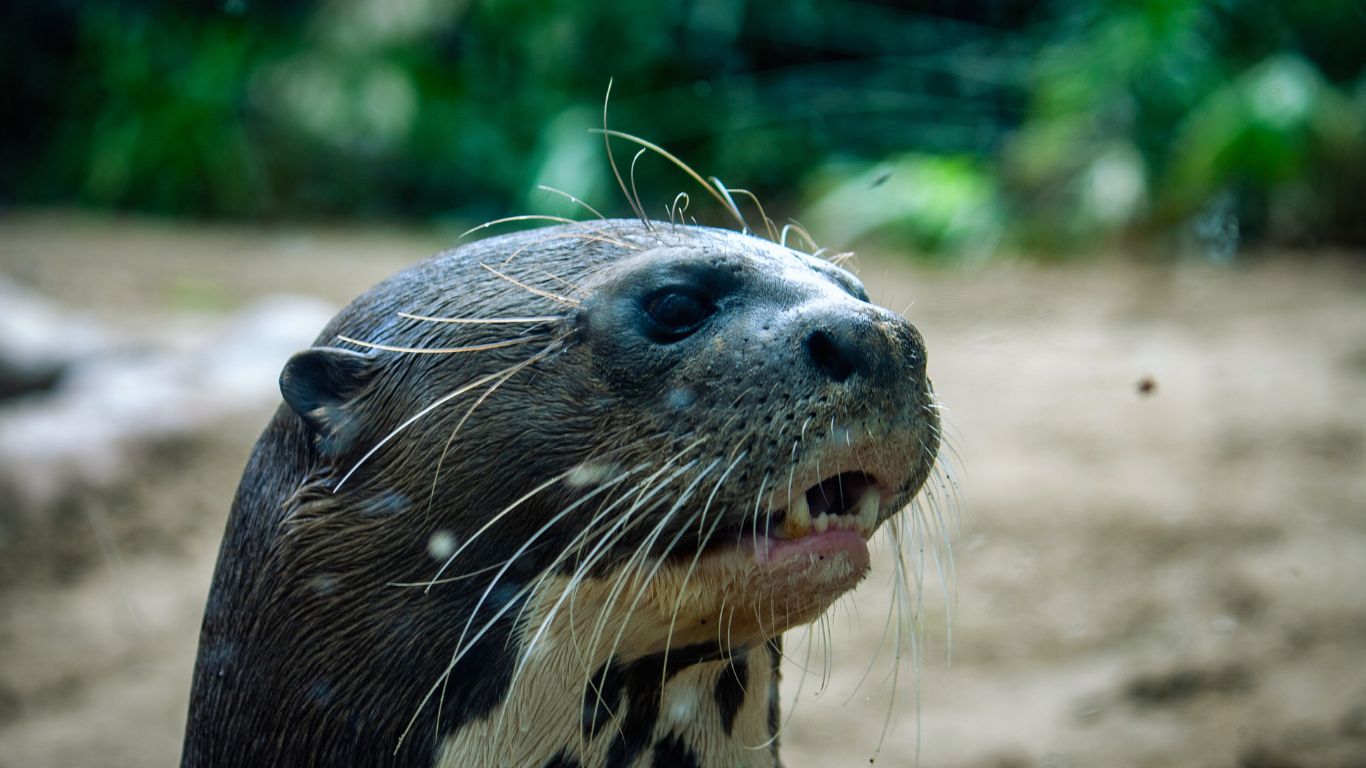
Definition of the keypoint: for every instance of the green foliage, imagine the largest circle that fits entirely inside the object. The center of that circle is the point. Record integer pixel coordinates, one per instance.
(936, 204)
(1142, 113)
(944, 129)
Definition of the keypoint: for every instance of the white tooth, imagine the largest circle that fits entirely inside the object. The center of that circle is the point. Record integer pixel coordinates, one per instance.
(821, 523)
(798, 521)
(868, 508)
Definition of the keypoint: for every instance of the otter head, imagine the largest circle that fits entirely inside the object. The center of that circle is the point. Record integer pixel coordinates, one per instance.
(801, 410)
(547, 455)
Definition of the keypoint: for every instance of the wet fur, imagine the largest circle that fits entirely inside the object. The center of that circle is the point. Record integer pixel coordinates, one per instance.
(336, 633)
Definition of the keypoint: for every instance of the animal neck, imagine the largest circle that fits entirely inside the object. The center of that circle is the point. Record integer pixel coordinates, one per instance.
(689, 707)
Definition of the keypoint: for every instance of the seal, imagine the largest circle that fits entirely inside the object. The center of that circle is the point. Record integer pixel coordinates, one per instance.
(551, 499)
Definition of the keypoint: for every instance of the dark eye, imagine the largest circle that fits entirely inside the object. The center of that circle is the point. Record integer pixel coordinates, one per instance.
(677, 312)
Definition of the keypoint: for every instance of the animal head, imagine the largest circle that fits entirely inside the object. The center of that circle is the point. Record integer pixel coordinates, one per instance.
(673, 432)
(520, 487)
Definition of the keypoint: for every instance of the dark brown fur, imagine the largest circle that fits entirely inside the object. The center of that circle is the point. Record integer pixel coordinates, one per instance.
(314, 653)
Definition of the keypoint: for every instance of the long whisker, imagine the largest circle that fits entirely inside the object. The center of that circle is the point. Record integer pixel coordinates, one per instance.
(642, 551)
(533, 588)
(483, 320)
(428, 583)
(537, 291)
(587, 564)
(634, 192)
(793, 226)
(612, 161)
(437, 403)
(729, 205)
(674, 210)
(769, 226)
(523, 217)
(556, 278)
(843, 257)
(462, 647)
(594, 237)
(801, 682)
(441, 461)
(493, 521)
(572, 199)
(730, 201)
(614, 535)
(442, 350)
(606, 540)
(687, 576)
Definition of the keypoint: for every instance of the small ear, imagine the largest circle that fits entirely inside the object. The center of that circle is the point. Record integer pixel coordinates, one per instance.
(318, 383)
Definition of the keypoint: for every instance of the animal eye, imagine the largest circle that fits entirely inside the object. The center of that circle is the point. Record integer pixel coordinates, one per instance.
(676, 312)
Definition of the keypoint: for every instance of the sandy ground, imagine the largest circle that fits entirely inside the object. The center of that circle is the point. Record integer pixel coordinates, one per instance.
(1174, 577)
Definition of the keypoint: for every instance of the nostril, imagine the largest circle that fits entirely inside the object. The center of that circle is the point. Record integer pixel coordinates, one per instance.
(834, 359)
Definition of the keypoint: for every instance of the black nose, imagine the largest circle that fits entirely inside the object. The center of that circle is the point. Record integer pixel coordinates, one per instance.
(836, 353)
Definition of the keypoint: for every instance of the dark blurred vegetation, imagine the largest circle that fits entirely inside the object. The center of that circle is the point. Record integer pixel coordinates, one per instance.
(947, 127)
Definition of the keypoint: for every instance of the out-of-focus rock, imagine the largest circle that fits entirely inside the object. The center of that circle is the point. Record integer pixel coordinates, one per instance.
(38, 340)
(113, 402)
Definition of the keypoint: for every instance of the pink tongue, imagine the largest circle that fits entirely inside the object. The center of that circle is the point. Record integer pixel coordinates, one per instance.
(813, 546)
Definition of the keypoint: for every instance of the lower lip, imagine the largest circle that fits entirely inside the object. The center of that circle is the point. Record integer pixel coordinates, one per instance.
(771, 551)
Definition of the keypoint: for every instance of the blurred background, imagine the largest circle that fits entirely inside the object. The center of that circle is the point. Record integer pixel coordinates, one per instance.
(953, 128)
(1131, 232)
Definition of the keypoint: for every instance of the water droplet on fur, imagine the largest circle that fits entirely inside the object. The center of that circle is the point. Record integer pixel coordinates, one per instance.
(591, 473)
(441, 545)
(684, 705)
(323, 584)
(681, 398)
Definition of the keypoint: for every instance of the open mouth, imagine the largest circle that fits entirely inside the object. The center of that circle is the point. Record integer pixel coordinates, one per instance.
(806, 550)
(835, 516)
(849, 501)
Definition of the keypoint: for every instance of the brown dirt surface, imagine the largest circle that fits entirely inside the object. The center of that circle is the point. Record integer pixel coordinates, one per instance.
(1159, 558)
